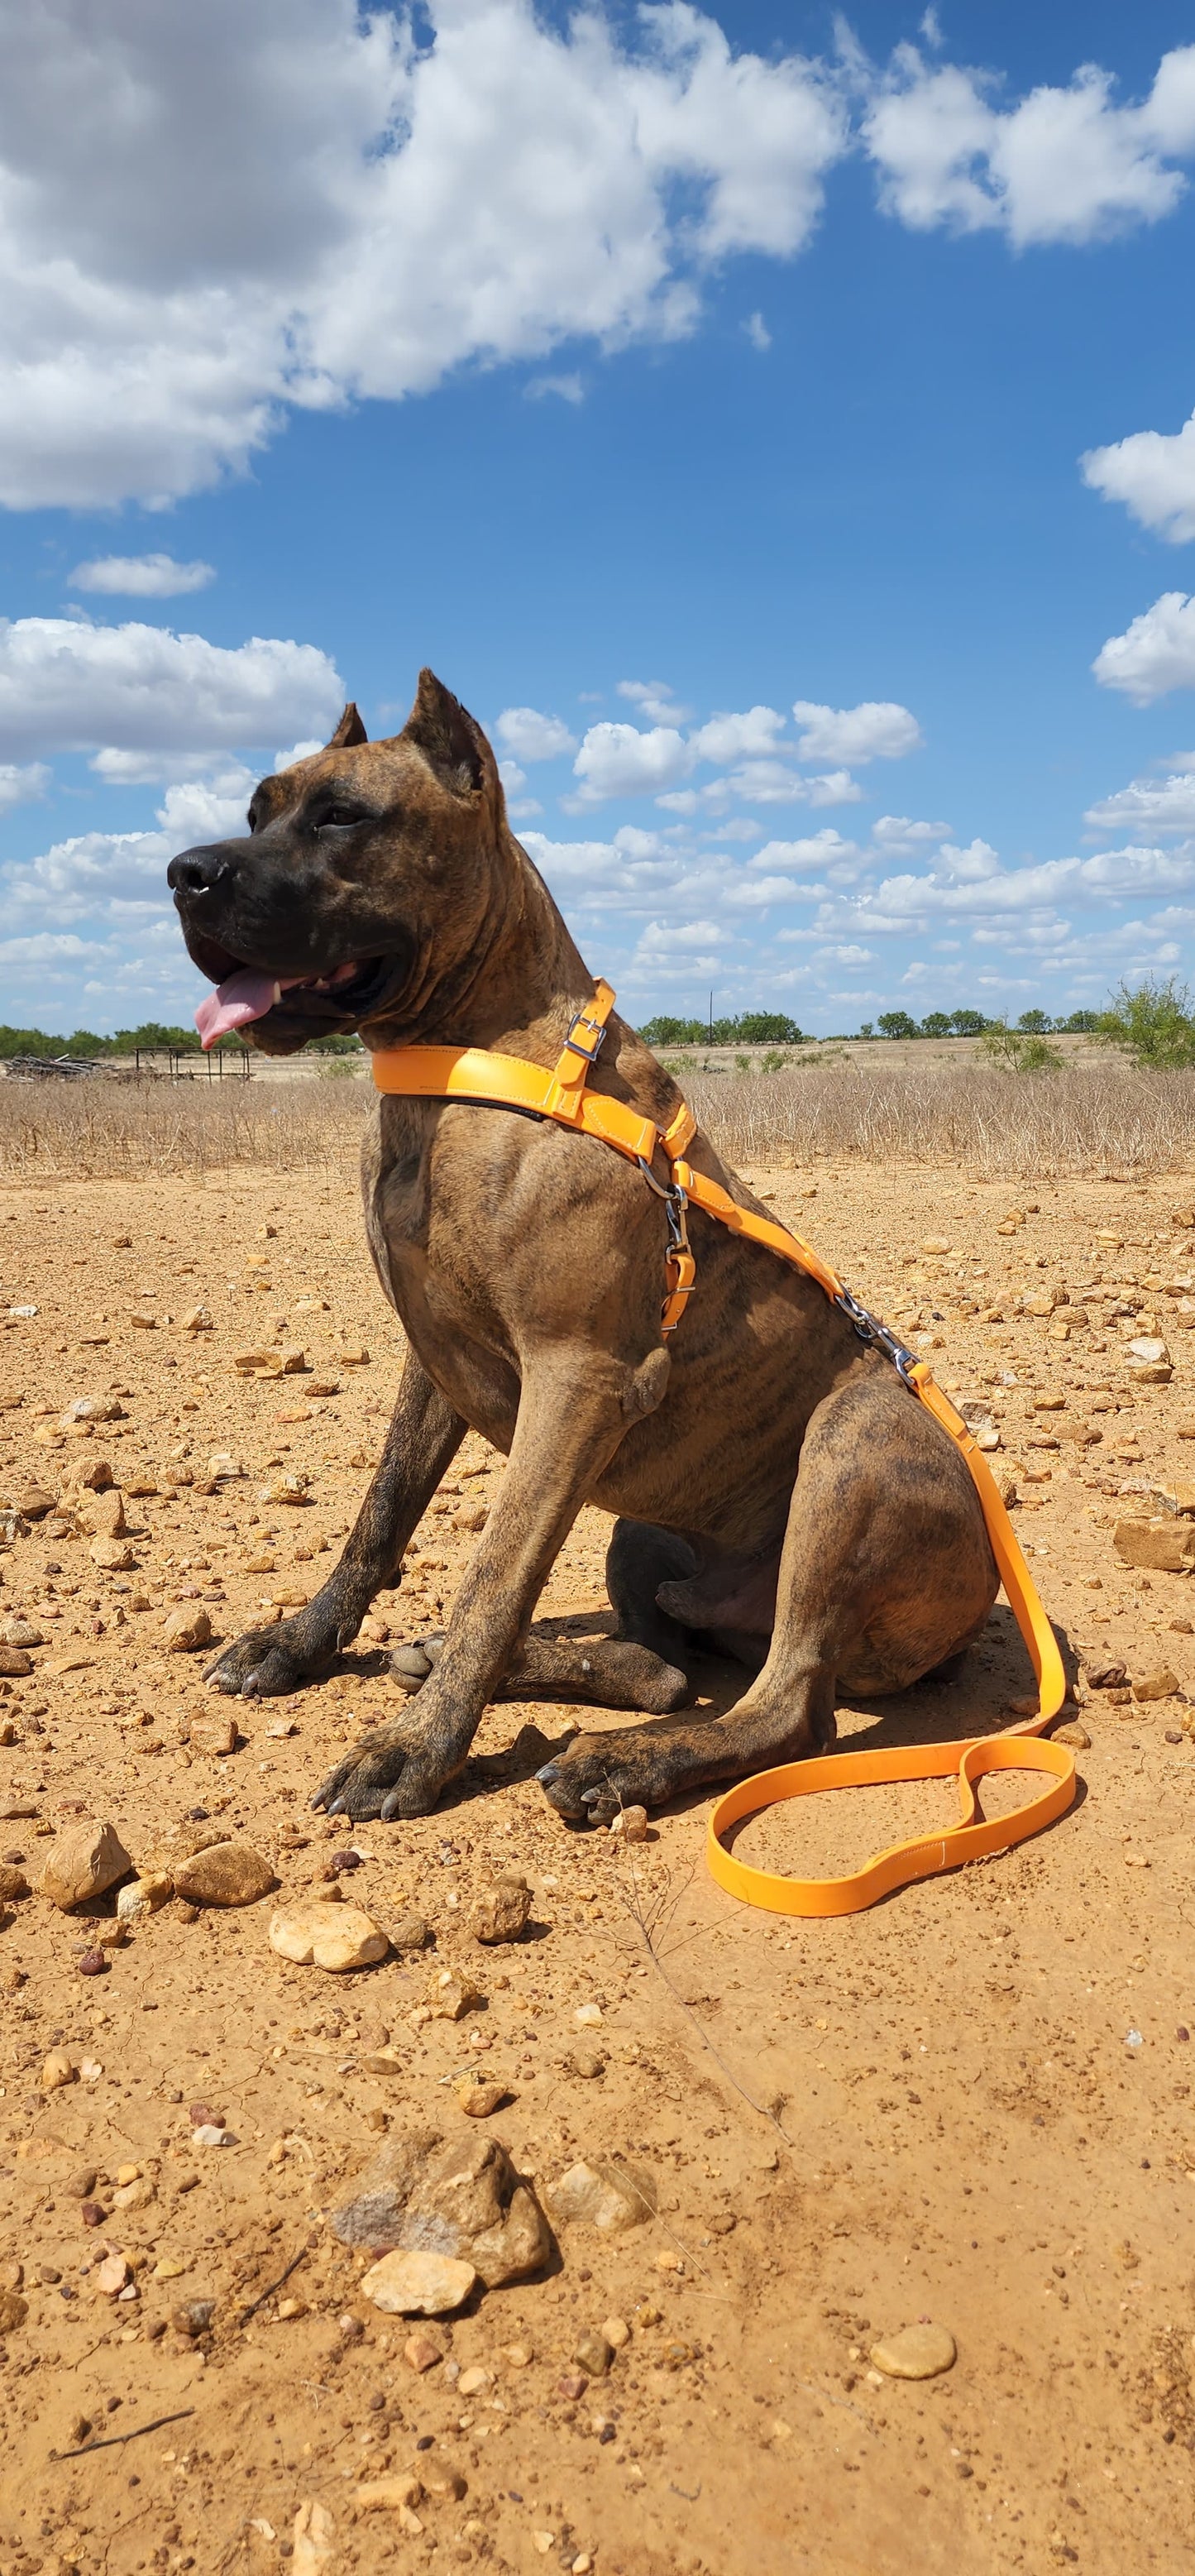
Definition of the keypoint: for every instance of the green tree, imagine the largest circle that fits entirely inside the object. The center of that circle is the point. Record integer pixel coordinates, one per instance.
(968, 1024)
(768, 1028)
(1018, 1050)
(897, 1024)
(936, 1024)
(867, 1029)
(670, 1032)
(1152, 1022)
(1080, 1023)
(1036, 1024)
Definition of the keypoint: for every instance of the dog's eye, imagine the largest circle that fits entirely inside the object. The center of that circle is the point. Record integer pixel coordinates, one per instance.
(339, 818)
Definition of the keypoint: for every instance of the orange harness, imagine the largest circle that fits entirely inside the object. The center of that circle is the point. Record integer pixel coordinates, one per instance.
(491, 1081)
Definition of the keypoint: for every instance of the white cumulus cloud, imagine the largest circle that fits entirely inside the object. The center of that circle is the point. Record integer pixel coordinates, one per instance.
(318, 204)
(1156, 653)
(731, 737)
(1059, 165)
(1148, 805)
(618, 760)
(874, 730)
(69, 686)
(21, 782)
(1154, 475)
(527, 735)
(655, 699)
(141, 576)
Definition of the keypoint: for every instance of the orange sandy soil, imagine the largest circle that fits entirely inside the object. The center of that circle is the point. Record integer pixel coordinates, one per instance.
(954, 2122)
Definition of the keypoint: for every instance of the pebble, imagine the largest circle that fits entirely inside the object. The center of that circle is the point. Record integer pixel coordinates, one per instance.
(193, 2317)
(21, 1632)
(501, 1913)
(110, 2276)
(588, 2017)
(417, 2283)
(1157, 1546)
(184, 1629)
(213, 1734)
(1161, 1684)
(410, 1932)
(58, 2069)
(478, 2095)
(313, 2546)
(594, 2354)
(231, 1873)
(15, 1664)
(337, 1937)
(452, 1997)
(13, 2311)
(915, 2352)
(420, 2353)
(83, 1862)
(81, 2184)
(572, 2385)
(629, 1825)
(397, 2495)
(616, 2331)
(586, 2062)
(1073, 1733)
(607, 2196)
(13, 1884)
(473, 2381)
(143, 1896)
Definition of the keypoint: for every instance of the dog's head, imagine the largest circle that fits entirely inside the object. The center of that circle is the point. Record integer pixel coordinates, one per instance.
(365, 882)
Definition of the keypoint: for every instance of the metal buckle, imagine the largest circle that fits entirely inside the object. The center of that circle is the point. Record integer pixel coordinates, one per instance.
(878, 1336)
(675, 1206)
(582, 1020)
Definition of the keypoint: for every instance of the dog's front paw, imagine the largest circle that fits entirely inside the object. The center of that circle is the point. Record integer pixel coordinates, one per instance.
(391, 1772)
(598, 1774)
(264, 1663)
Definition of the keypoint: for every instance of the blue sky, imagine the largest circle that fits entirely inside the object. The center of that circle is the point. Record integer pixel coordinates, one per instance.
(651, 375)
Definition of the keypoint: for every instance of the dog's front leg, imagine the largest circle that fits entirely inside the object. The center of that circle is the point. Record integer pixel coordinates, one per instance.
(423, 1437)
(575, 1406)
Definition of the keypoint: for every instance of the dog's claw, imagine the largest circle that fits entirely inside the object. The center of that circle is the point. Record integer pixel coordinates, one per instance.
(549, 1773)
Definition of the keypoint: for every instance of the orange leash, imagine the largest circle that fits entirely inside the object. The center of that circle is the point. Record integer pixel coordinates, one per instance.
(473, 1074)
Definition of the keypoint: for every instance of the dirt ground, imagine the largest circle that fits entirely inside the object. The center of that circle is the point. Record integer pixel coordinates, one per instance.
(971, 2105)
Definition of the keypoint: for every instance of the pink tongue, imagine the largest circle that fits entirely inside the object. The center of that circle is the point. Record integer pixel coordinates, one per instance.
(244, 996)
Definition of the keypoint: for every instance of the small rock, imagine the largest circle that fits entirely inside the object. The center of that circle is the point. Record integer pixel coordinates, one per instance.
(81, 2183)
(15, 1664)
(630, 1825)
(321, 1936)
(21, 1632)
(588, 2017)
(58, 2069)
(231, 1873)
(13, 1884)
(472, 2382)
(13, 2311)
(193, 2317)
(420, 2353)
(413, 2283)
(607, 2196)
(480, 2094)
(112, 1555)
(102, 1512)
(1073, 1733)
(1160, 1546)
(594, 2354)
(185, 1629)
(34, 1503)
(616, 2331)
(1157, 1685)
(392, 2495)
(1149, 1360)
(501, 1913)
(571, 2385)
(213, 1734)
(442, 2480)
(410, 1932)
(916, 2352)
(144, 1896)
(83, 1862)
(110, 2276)
(464, 2199)
(313, 2548)
(93, 1964)
(518, 2356)
(586, 2062)
(452, 1997)
(1100, 1675)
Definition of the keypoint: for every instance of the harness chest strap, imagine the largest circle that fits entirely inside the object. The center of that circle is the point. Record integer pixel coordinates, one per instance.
(488, 1080)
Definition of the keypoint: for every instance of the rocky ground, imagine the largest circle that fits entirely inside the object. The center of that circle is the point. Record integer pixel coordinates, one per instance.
(969, 2109)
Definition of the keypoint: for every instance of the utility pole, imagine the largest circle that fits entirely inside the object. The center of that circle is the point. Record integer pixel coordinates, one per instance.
(711, 1039)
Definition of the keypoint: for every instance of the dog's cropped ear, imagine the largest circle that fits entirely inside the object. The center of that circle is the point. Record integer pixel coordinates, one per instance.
(444, 731)
(349, 731)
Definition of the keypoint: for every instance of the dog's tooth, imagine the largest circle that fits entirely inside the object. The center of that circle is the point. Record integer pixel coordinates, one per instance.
(277, 992)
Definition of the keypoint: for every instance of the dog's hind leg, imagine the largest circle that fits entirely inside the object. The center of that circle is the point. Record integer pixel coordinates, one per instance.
(423, 1437)
(643, 1666)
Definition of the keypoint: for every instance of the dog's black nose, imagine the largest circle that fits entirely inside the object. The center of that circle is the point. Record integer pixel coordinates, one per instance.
(197, 871)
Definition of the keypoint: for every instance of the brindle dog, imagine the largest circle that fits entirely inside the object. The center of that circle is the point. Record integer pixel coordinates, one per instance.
(777, 1494)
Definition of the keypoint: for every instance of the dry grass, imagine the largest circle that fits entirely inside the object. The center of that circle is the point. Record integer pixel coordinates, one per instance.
(1096, 1116)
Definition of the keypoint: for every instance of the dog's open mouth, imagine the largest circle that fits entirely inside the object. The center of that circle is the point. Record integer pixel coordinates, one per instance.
(249, 993)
